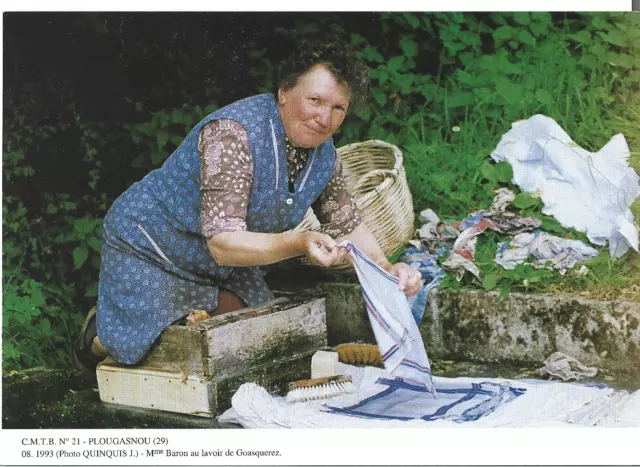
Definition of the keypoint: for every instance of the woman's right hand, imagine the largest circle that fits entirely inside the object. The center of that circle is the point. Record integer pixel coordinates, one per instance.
(321, 249)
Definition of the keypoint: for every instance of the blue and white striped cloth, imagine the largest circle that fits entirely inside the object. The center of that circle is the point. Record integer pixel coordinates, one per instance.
(393, 324)
(457, 401)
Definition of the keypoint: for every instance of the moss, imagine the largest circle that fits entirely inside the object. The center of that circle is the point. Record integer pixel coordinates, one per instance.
(535, 337)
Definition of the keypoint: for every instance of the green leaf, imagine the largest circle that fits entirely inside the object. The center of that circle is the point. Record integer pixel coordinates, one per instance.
(504, 171)
(372, 54)
(459, 99)
(145, 128)
(412, 20)
(524, 200)
(489, 172)
(379, 96)
(489, 281)
(80, 255)
(589, 61)
(52, 209)
(177, 116)
(621, 60)
(544, 97)
(157, 158)
(161, 138)
(525, 37)
(395, 63)
(503, 33)
(615, 37)
(583, 36)
(409, 47)
(94, 243)
(549, 224)
(45, 326)
(522, 18)
(512, 92)
(83, 226)
(135, 136)
(91, 290)
(176, 140)
(141, 161)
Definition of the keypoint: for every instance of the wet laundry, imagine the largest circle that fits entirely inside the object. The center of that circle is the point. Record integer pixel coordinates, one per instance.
(393, 324)
(590, 192)
(432, 274)
(548, 250)
(566, 368)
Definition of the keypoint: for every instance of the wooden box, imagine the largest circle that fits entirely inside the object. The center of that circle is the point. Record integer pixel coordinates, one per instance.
(197, 369)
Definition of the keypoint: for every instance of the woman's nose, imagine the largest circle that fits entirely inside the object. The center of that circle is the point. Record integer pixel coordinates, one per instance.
(324, 117)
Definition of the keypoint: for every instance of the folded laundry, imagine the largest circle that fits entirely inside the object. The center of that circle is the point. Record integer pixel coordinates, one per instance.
(549, 251)
(393, 324)
(591, 192)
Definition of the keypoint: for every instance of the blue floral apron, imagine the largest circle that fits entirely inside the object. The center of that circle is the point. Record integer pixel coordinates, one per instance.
(156, 266)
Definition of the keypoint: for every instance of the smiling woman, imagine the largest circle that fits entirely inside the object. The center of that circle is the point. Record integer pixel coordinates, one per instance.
(191, 234)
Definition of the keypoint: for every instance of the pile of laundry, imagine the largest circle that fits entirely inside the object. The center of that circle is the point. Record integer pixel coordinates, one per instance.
(590, 192)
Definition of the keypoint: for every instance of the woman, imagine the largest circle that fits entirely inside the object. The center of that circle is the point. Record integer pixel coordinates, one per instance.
(192, 233)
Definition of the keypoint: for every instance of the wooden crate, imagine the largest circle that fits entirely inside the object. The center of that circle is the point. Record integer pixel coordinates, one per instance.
(197, 369)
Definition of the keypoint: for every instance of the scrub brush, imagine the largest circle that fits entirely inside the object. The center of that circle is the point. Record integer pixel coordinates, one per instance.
(320, 388)
(360, 354)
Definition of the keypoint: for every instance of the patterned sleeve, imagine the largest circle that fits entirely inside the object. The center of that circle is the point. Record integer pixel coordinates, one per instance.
(226, 174)
(335, 208)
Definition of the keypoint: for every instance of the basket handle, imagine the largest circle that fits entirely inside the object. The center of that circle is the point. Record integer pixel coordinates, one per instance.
(367, 179)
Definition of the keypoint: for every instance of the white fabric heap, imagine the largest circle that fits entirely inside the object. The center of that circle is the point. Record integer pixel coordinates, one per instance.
(393, 324)
(543, 404)
(591, 192)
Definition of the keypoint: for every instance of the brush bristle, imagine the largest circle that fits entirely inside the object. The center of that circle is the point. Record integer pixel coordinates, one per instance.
(360, 354)
(322, 391)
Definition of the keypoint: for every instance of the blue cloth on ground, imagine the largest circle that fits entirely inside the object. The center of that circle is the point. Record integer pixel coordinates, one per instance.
(456, 401)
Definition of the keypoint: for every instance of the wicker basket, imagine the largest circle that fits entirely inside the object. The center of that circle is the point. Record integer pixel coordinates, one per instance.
(376, 179)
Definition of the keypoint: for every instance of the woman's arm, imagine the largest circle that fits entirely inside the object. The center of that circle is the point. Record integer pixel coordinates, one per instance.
(252, 248)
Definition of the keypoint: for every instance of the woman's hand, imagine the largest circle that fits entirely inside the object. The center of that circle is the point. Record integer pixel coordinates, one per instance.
(410, 279)
(321, 249)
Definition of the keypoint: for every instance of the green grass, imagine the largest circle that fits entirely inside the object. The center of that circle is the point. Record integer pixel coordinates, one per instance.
(446, 150)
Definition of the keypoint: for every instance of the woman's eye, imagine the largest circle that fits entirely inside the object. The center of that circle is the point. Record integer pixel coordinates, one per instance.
(314, 99)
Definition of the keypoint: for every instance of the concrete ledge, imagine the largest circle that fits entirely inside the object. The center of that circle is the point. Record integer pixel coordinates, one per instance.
(523, 328)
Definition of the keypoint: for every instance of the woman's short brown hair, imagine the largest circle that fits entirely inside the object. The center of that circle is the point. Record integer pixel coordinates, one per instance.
(339, 58)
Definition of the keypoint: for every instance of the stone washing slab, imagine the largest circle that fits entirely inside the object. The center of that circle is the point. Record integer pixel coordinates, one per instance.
(527, 328)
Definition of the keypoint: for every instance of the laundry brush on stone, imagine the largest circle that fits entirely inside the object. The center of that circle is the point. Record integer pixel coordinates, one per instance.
(320, 388)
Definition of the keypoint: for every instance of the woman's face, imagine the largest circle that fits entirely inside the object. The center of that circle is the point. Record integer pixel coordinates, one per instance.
(314, 108)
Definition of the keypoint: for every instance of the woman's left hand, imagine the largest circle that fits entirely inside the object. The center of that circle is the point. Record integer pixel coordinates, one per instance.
(410, 279)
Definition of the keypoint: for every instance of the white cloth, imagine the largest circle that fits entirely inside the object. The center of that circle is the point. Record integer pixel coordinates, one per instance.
(543, 404)
(591, 192)
(394, 326)
(561, 253)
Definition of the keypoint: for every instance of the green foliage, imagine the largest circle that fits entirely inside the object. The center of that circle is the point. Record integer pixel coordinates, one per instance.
(444, 88)
(51, 249)
(158, 137)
